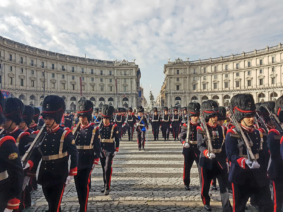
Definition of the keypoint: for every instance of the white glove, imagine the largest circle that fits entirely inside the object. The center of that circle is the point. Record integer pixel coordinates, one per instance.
(254, 165)
(69, 179)
(114, 154)
(186, 145)
(8, 210)
(248, 162)
(228, 167)
(27, 166)
(170, 126)
(211, 155)
(26, 181)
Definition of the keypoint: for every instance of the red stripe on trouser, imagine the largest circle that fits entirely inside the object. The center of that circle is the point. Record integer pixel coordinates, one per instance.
(59, 203)
(110, 176)
(87, 190)
(202, 187)
(234, 203)
(275, 200)
(184, 174)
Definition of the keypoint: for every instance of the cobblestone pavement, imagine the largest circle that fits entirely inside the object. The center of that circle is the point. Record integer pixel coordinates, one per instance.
(149, 180)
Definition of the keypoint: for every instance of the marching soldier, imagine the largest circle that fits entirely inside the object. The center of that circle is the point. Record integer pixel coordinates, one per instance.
(97, 116)
(184, 116)
(33, 125)
(11, 171)
(109, 146)
(27, 119)
(68, 120)
(176, 120)
(247, 173)
(155, 123)
(212, 155)
(166, 123)
(120, 121)
(131, 120)
(141, 127)
(88, 145)
(190, 150)
(54, 151)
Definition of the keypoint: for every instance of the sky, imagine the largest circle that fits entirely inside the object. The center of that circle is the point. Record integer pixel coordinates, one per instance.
(149, 31)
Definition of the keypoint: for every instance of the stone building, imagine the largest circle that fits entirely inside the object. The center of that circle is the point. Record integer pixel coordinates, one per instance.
(258, 72)
(30, 73)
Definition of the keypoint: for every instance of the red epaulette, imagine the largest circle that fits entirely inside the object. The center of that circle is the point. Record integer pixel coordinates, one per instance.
(199, 128)
(274, 131)
(92, 124)
(184, 125)
(35, 132)
(261, 130)
(230, 131)
(68, 132)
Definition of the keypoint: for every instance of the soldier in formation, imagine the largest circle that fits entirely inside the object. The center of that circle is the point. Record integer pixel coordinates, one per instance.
(176, 121)
(155, 123)
(165, 124)
(141, 127)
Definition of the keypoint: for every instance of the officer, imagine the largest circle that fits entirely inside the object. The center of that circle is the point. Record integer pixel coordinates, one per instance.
(109, 146)
(11, 171)
(54, 151)
(142, 125)
(184, 116)
(212, 155)
(166, 124)
(68, 120)
(27, 118)
(155, 122)
(176, 121)
(190, 150)
(247, 173)
(33, 125)
(130, 120)
(120, 121)
(88, 146)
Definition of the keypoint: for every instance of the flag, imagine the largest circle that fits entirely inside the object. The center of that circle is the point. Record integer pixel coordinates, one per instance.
(81, 86)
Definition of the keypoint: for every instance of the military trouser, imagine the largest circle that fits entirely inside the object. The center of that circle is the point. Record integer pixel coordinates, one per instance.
(130, 132)
(106, 164)
(141, 138)
(175, 129)
(277, 194)
(189, 158)
(165, 131)
(53, 195)
(155, 131)
(82, 182)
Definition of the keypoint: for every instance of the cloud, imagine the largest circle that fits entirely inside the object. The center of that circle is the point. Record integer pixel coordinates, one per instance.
(150, 31)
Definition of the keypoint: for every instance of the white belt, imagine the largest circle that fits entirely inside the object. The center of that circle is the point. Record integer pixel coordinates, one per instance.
(84, 147)
(4, 175)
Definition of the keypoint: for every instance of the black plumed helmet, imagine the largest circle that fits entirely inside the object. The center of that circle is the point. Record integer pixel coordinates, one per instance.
(279, 108)
(14, 108)
(221, 113)
(242, 106)
(209, 108)
(154, 109)
(107, 111)
(175, 108)
(264, 112)
(130, 109)
(85, 108)
(53, 107)
(2, 104)
(194, 109)
(36, 114)
(140, 109)
(166, 108)
(28, 114)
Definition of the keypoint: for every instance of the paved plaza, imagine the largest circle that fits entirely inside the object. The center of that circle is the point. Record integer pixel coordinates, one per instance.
(149, 180)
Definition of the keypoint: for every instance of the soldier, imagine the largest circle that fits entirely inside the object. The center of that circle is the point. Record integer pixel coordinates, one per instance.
(54, 151)
(33, 125)
(166, 123)
(141, 128)
(109, 146)
(247, 173)
(155, 122)
(184, 116)
(130, 120)
(212, 155)
(88, 146)
(11, 171)
(190, 150)
(120, 121)
(176, 120)
(27, 119)
(68, 120)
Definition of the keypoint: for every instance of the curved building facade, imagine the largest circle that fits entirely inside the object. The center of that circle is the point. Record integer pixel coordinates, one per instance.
(258, 72)
(30, 73)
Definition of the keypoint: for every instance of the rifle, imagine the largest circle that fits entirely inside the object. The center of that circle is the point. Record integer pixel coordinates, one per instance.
(188, 132)
(243, 137)
(209, 145)
(76, 129)
(39, 137)
(262, 123)
(275, 120)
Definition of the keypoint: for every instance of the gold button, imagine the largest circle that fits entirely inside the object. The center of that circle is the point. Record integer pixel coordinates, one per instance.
(53, 139)
(44, 168)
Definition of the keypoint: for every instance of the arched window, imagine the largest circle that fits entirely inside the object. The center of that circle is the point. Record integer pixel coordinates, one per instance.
(261, 95)
(110, 99)
(215, 97)
(194, 98)
(73, 98)
(22, 97)
(32, 97)
(125, 99)
(42, 97)
(273, 94)
(204, 98)
(226, 97)
(92, 99)
(178, 98)
(101, 99)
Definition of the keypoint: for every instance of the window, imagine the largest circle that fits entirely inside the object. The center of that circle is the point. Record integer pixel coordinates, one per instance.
(32, 83)
(260, 81)
(215, 68)
(22, 70)
(226, 67)
(215, 85)
(249, 73)
(194, 71)
(125, 80)
(215, 76)
(273, 59)
(194, 87)
(53, 66)
(91, 71)
(237, 74)
(125, 88)
(204, 86)
(110, 80)
(249, 83)
(249, 64)
(226, 75)
(260, 71)
(177, 87)
(92, 79)
(194, 78)
(125, 73)
(63, 76)
(22, 60)
(226, 84)
(83, 87)
(83, 71)
(73, 69)
(53, 75)
(273, 80)
(101, 80)
(204, 70)
(177, 79)
(63, 86)
(42, 74)
(92, 87)
(31, 62)
(32, 72)
(22, 82)
(11, 68)
(237, 65)
(237, 84)
(73, 77)
(11, 80)
(53, 85)
(177, 71)
(260, 62)
(204, 77)
(63, 68)
(110, 72)
(110, 88)
(73, 86)
(83, 78)
(42, 64)
(273, 69)
(11, 57)
(101, 88)
(101, 72)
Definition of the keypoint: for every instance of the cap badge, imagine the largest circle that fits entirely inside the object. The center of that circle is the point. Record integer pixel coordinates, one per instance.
(249, 104)
(47, 105)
